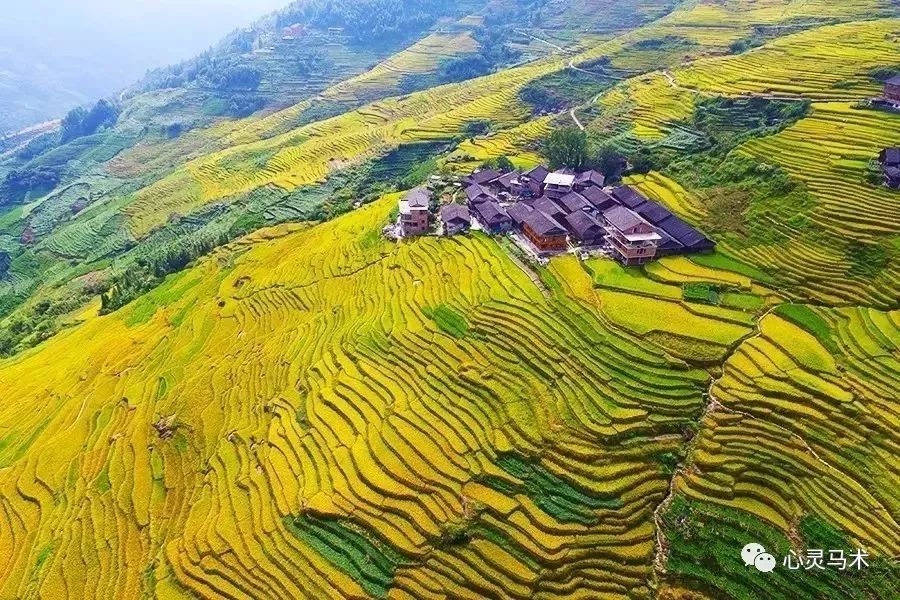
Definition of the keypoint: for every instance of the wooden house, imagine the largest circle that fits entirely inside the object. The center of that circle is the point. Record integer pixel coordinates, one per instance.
(599, 199)
(492, 217)
(573, 201)
(588, 179)
(558, 184)
(483, 177)
(549, 207)
(476, 194)
(529, 184)
(889, 157)
(628, 197)
(892, 89)
(632, 239)
(517, 213)
(455, 218)
(544, 232)
(585, 228)
(691, 240)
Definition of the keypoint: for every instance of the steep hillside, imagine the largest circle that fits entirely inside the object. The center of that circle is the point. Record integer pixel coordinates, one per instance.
(274, 401)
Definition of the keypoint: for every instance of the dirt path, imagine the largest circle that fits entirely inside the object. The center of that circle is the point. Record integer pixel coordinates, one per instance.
(542, 40)
(575, 118)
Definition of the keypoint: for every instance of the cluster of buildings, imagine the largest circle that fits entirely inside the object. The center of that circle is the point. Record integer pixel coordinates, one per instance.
(554, 212)
(890, 166)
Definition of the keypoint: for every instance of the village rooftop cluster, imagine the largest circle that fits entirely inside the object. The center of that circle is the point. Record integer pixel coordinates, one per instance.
(549, 213)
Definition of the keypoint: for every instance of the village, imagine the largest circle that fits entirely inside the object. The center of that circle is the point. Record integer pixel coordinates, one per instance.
(553, 212)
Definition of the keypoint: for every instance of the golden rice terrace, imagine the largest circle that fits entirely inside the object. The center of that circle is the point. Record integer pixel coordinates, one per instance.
(305, 408)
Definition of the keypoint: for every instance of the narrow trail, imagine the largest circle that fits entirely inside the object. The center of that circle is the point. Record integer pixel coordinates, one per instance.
(575, 118)
(542, 40)
(661, 556)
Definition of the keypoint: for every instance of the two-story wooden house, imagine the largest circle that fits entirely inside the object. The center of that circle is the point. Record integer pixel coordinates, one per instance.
(632, 240)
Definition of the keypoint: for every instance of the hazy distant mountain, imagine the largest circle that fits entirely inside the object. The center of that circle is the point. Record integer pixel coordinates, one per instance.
(56, 54)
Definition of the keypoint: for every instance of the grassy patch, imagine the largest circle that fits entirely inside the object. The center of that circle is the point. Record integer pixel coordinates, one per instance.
(562, 499)
(705, 543)
(707, 293)
(563, 89)
(804, 317)
(370, 561)
(448, 320)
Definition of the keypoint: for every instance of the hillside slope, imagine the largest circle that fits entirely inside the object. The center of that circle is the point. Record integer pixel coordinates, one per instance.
(311, 411)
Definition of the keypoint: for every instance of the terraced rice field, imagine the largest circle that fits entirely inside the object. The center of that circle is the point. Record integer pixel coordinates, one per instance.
(316, 412)
(815, 250)
(306, 155)
(318, 406)
(803, 64)
(423, 57)
(802, 422)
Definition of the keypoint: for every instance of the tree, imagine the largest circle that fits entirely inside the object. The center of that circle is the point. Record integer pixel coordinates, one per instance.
(611, 163)
(80, 122)
(72, 124)
(5, 262)
(104, 114)
(566, 147)
(476, 127)
(504, 164)
(501, 163)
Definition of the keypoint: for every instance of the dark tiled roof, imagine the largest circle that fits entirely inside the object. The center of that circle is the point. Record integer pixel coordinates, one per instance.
(622, 219)
(669, 243)
(505, 180)
(518, 211)
(475, 191)
(628, 196)
(895, 80)
(549, 207)
(653, 212)
(891, 156)
(454, 212)
(491, 213)
(574, 201)
(539, 173)
(685, 234)
(483, 177)
(592, 178)
(584, 225)
(418, 198)
(543, 224)
(600, 199)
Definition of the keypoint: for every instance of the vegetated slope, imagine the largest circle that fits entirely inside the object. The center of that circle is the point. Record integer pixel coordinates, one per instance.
(796, 450)
(792, 197)
(140, 206)
(258, 424)
(317, 413)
